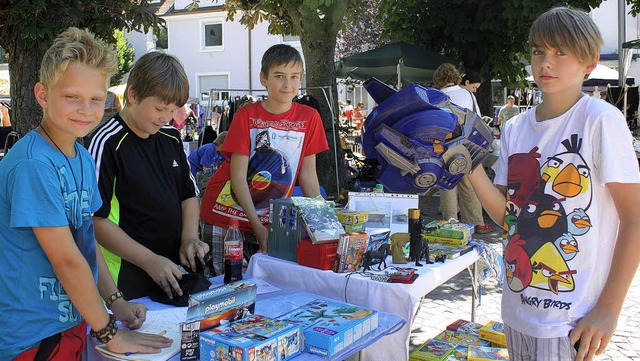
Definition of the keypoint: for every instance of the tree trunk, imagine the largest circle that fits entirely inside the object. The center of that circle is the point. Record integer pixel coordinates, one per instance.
(318, 45)
(24, 67)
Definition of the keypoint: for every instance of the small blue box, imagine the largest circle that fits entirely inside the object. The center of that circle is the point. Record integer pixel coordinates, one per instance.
(329, 326)
(256, 338)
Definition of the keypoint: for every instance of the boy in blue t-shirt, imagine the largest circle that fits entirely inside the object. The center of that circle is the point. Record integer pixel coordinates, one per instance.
(49, 262)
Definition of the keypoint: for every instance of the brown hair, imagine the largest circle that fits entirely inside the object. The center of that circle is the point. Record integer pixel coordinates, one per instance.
(279, 54)
(446, 74)
(569, 29)
(160, 75)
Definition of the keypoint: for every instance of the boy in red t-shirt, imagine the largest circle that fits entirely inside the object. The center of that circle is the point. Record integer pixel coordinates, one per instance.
(271, 145)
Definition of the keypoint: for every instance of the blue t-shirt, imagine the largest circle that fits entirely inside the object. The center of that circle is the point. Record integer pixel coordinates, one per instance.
(205, 156)
(40, 191)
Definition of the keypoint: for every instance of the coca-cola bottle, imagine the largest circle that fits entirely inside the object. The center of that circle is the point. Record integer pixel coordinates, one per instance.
(233, 253)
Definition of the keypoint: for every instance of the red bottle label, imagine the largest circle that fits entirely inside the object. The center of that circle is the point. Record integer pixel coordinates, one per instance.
(234, 251)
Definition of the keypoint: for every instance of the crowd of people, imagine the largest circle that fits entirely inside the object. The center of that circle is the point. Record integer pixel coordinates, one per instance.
(121, 219)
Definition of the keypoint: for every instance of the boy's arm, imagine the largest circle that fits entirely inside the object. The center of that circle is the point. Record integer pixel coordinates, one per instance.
(308, 177)
(74, 273)
(131, 314)
(190, 244)
(239, 165)
(492, 197)
(596, 328)
(162, 270)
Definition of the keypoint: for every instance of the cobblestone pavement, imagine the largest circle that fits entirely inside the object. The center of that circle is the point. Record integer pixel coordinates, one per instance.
(452, 301)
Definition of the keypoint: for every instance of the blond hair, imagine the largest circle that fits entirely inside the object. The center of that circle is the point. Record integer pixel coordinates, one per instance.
(570, 30)
(77, 46)
(159, 75)
(220, 138)
(446, 74)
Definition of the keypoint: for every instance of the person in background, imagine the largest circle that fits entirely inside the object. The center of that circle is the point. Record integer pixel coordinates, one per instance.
(471, 81)
(461, 198)
(348, 112)
(148, 223)
(272, 145)
(207, 157)
(49, 262)
(358, 117)
(567, 190)
(508, 111)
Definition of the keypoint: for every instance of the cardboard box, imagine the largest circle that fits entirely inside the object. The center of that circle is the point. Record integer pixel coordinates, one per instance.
(452, 241)
(376, 238)
(354, 228)
(321, 256)
(256, 338)
(478, 353)
(347, 217)
(228, 302)
(461, 338)
(445, 229)
(464, 326)
(433, 350)
(330, 326)
(285, 229)
(493, 331)
(351, 248)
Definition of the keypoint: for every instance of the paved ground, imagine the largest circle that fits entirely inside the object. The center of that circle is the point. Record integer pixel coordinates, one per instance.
(452, 301)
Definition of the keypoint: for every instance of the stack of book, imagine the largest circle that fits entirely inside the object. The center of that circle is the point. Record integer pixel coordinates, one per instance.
(465, 341)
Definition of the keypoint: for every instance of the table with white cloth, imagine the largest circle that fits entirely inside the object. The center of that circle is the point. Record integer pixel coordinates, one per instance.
(272, 304)
(395, 298)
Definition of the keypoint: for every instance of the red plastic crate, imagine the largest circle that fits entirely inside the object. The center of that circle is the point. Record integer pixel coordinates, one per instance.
(320, 256)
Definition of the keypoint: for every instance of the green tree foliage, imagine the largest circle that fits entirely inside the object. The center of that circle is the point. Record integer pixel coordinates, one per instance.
(317, 22)
(489, 36)
(28, 28)
(362, 32)
(126, 54)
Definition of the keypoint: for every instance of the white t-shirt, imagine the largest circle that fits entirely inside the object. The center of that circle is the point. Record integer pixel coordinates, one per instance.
(461, 97)
(561, 220)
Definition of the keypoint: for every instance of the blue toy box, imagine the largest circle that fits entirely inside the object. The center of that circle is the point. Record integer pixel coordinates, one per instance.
(331, 326)
(228, 302)
(256, 338)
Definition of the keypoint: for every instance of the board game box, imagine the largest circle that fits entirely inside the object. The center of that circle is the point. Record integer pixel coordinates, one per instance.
(460, 353)
(465, 326)
(228, 302)
(351, 248)
(461, 338)
(493, 331)
(376, 238)
(331, 326)
(449, 230)
(433, 350)
(256, 338)
(477, 353)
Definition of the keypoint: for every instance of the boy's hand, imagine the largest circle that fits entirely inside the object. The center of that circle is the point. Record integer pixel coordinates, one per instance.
(261, 236)
(594, 332)
(190, 249)
(165, 274)
(131, 314)
(132, 341)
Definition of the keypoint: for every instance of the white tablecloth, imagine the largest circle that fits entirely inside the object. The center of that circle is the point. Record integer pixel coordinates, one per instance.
(395, 298)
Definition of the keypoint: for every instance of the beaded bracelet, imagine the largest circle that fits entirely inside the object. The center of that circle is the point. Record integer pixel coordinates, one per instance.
(108, 332)
(113, 298)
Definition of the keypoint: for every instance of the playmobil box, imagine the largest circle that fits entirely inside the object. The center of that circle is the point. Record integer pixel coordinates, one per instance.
(445, 229)
(330, 326)
(479, 353)
(445, 240)
(225, 303)
(349, 253)
(255, 338)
